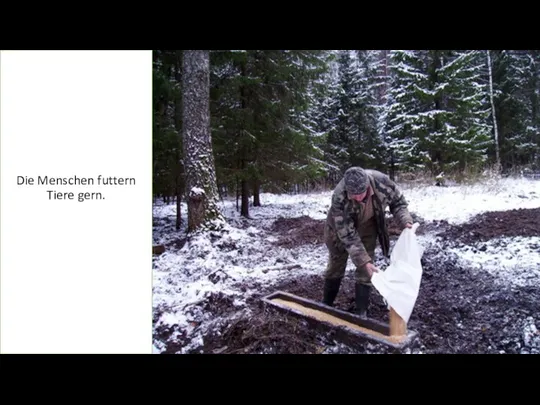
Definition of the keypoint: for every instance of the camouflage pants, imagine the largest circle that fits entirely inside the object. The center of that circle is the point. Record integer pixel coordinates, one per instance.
(338, 256)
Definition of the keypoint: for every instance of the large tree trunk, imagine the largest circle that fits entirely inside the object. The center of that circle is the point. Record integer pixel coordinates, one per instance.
(201, 186)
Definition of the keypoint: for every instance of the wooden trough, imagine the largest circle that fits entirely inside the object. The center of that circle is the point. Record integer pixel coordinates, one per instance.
(349, 327)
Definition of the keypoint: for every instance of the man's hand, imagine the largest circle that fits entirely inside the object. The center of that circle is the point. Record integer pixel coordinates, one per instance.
(408, 225)
(371, 269)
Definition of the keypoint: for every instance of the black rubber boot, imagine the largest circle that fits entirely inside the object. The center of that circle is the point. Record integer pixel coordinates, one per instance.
(331, 289)
(362, 299)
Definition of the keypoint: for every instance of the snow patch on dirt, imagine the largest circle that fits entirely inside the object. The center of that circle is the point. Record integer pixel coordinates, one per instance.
(511, 260)
(457, 204)
(531, 337)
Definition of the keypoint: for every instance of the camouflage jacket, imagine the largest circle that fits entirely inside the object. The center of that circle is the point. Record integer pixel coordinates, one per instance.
(344, 213)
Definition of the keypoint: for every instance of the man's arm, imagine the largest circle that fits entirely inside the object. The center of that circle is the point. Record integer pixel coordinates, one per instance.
(347, 233)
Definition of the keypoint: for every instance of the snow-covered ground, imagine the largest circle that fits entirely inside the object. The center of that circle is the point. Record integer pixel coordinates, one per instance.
(184, 277)
(511, 260)
(458, 204)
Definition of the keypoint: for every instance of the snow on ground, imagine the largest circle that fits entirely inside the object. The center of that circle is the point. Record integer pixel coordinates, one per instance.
(531, 337)
(511, 260)
(457, 204)
(185, 278)
(243, 251)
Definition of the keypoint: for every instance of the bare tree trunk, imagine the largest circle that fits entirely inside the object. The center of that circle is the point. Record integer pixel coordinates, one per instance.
(244, 208)
(383, 71)
(201, 185)
(498, 168)
(392, 166)
(237, 193)
(256, 193)
(178, 126)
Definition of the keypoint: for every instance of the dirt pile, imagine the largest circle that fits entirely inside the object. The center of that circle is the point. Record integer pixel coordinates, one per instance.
(294, 232)
(461, 311)
(395, 229)
(263, 332)
(489, 225)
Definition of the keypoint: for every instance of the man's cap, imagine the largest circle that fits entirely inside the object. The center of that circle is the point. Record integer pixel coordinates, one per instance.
(356, 180)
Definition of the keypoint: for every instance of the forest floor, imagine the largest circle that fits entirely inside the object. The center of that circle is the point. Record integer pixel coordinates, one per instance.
(479, 293)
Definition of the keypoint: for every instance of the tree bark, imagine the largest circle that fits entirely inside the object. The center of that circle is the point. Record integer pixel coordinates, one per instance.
(201, 185)
(178, 126)
(244, 210)
(256, 193)
(496, 134)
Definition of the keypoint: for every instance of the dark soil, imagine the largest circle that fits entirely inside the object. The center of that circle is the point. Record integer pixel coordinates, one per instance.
(268, 331)
(264, 332)
(489, 225)
(294, 232)
(175, 339)
(457, 311)
(395, 229)
(168, 225)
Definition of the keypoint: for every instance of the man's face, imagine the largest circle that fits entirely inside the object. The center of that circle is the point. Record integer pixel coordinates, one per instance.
(359, 197)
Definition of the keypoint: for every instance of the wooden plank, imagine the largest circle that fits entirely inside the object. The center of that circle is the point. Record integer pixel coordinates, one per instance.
(349, 327)
(348, 316)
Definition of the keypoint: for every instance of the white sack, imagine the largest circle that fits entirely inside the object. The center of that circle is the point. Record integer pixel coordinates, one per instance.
(400, 282)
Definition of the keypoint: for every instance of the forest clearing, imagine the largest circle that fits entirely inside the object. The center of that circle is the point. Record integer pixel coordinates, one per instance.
(249, 146)
(480, 290)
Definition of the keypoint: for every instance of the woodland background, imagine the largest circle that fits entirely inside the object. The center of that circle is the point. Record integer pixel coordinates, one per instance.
(291, 121)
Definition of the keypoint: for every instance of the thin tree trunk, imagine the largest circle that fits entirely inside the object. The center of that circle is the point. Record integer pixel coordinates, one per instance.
(498, 167)
(256, 193)
(244, 210)
(178, 127)
(237, 193)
